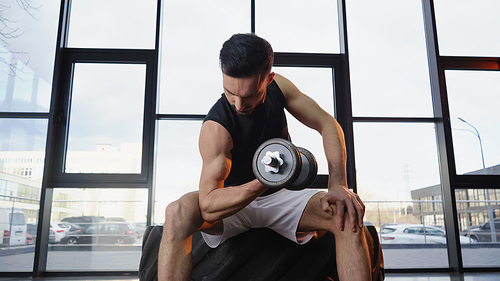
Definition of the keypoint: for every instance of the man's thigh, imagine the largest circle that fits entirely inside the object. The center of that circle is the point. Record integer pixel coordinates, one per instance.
(314, 218)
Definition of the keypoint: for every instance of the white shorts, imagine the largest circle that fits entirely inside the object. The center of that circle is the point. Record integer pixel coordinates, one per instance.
(280, 211)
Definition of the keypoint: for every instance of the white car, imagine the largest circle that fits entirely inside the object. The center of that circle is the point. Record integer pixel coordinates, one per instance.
(60, 230)
(12, 227)
(415, 234)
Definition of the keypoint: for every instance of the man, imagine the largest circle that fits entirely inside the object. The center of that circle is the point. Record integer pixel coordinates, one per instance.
(230, 200)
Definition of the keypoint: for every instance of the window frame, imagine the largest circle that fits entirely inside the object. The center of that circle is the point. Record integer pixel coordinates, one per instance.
(339, 63)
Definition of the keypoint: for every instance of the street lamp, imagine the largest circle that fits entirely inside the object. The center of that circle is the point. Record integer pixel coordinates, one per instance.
(490, 209)
(479, 137)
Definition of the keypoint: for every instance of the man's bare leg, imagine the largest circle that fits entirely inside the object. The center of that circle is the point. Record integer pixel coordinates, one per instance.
(182, 220)
(353, 259)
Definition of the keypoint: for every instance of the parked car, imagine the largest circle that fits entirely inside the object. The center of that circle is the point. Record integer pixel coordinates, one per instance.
(139, 228)
(31, 228)
(482, 233)
(115, 219)
(84, 219)
(84, 222)
(29, 239)
(12, 227)
(60, 230)
(102, 233)
(415, 234)
(72, 226)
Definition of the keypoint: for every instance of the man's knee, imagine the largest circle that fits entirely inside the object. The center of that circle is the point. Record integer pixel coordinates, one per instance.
(182, 217)
(172, 215)
(347, 233)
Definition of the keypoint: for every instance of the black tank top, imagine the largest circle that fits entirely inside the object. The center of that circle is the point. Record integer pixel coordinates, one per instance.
(267, 121)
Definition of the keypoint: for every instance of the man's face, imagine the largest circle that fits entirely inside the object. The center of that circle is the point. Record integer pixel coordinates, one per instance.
(245, 94)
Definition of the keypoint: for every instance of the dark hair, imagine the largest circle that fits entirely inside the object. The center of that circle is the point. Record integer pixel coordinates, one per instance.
(246, 54)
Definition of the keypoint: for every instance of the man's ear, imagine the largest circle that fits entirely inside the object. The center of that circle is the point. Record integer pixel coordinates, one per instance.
(270, 78)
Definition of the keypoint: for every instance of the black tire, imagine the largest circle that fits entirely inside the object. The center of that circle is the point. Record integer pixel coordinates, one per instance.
(72, 241)
(119, 241)
(473, 239)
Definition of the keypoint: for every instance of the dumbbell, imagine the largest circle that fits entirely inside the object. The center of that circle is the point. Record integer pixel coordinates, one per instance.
(277, 163)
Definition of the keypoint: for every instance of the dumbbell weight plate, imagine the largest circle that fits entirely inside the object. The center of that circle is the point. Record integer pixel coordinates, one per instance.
(288, 172)
(308, 171)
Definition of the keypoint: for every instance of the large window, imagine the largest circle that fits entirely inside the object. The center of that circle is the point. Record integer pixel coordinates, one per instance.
(99, 119)
(394, 140)
(26, 72)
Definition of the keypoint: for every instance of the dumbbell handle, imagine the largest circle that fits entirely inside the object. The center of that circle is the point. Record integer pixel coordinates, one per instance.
(270, 161)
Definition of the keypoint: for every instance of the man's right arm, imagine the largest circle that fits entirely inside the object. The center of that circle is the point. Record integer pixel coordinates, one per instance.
(217, 202)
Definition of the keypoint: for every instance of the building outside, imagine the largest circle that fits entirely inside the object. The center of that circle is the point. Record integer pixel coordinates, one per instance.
(21, 177)
(472, 204)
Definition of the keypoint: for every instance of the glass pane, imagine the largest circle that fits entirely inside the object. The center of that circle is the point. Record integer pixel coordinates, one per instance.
(26, 68)
(468, 28)
(298, 26)
(388, 59)
(22, 153)
(193, 33)
(112, 24)
(105, 126)
(475, 209)
(398, 179)
(318, 84)
(475, 119)
(97, 229)
(174, 178)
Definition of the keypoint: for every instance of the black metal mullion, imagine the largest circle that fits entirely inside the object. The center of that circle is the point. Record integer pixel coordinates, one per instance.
(477, 182)
(186, 117)
(307, 59)
(46, 194)
(75, 55)
(397, 119)
(252, 16)
(151, 114)
(25, 115)
(343, 104)
(443, 137)
(470, 63)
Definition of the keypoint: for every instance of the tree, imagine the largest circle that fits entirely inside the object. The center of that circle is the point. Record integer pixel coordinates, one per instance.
(9, 31)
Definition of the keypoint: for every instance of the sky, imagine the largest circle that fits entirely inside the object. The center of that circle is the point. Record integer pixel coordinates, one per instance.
(388, 63)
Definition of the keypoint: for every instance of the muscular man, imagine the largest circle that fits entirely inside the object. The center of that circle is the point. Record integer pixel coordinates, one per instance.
(230, 200)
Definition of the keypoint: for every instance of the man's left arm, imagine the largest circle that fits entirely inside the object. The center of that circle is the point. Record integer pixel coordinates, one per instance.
(307, 111)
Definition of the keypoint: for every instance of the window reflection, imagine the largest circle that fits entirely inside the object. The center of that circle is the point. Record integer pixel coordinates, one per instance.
(388, 59)
(26, 68)
(473, 99)
(178, 165)
(478, 212)
(105, 126)
(22, 154)
(465, 28)
(93, 226)
(398, 180)
(113, 24)
(193, 34)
